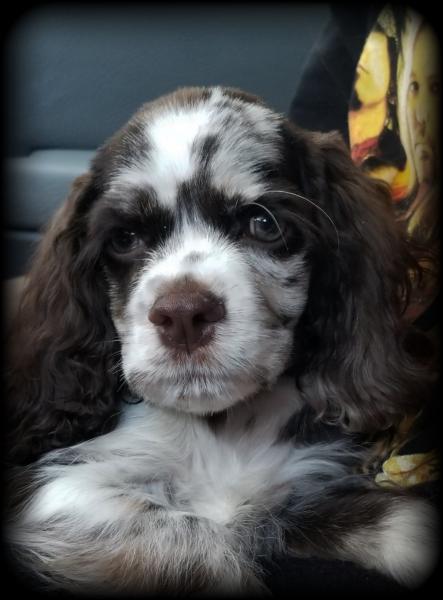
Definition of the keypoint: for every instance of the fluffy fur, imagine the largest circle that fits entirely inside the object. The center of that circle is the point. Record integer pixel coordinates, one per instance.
(206, 195)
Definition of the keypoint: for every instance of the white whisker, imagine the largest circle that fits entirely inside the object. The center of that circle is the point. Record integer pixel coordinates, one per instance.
(315, 206)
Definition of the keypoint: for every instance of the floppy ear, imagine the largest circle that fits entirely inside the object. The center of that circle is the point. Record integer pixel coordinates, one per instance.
(61, 351)
(352, 364)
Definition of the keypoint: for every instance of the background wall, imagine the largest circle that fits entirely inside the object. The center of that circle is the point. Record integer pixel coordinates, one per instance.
(76, 73)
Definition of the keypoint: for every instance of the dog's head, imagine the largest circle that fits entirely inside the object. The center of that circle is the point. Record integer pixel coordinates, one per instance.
(212, 247)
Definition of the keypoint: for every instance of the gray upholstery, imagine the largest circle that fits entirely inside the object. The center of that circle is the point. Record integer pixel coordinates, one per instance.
(76, 73)
(38, 182)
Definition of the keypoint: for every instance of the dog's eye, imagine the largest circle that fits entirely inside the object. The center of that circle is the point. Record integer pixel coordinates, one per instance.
(264, 228)
(123, 241)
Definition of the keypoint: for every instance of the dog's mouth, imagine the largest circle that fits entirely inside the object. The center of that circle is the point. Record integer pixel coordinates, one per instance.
(196, 388)
(187, 358)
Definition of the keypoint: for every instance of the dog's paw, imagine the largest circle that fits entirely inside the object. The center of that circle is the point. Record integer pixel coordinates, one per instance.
(409, 542)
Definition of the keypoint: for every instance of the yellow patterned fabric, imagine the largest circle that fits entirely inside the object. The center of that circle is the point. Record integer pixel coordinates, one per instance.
(409, 469)
(394, 124)
(405, 456)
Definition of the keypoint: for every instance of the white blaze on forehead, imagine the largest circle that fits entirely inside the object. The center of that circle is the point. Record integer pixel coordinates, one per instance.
(174, 138)
(172, 159)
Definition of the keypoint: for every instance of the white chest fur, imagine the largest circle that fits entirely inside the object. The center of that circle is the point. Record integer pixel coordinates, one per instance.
(179, 462)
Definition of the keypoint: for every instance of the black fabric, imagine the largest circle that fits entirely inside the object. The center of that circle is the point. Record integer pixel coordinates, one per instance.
(328, 579)
(321, 102)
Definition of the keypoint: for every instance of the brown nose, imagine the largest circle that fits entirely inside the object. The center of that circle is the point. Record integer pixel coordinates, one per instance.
(186, 320)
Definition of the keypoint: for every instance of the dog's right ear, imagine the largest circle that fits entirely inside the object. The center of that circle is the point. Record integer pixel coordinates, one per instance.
(61, 351)
(354, 365)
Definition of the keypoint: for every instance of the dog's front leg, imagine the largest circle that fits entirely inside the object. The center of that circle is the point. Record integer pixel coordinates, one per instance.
(390, 531)
(81, 531)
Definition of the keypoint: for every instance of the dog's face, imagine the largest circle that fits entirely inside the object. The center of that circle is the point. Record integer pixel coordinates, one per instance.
(204, 254)
(212, 246)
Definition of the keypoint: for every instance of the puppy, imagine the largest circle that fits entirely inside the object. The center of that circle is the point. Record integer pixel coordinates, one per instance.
(233, 282)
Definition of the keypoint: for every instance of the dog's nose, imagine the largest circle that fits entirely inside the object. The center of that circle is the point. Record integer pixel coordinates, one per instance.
(186, 320)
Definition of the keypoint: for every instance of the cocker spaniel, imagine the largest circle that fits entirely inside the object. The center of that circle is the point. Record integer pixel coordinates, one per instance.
(236, 284)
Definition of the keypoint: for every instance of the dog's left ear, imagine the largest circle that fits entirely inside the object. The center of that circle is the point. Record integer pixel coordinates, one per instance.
(351, 359)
